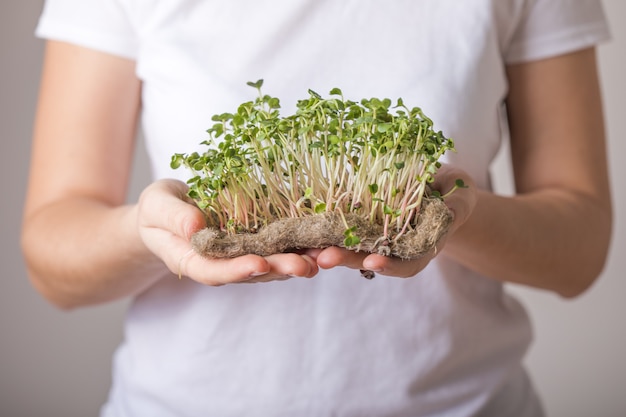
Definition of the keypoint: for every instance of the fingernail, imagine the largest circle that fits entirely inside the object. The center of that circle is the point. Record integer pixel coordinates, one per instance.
(367, 273)
(257, 274)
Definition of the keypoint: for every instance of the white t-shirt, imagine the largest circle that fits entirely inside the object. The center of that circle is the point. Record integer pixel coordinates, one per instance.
(448, 342)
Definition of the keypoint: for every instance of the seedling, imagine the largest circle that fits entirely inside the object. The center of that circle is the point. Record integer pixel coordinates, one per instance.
(365, 162)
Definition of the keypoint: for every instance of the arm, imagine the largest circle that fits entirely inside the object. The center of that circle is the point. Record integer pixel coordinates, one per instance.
(82, 148)
(555, 233)
(81, 243)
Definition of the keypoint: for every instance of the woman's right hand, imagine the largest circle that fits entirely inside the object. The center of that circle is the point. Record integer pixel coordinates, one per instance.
(167, 219)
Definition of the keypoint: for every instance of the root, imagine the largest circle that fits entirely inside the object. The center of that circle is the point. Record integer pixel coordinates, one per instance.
(325, 230)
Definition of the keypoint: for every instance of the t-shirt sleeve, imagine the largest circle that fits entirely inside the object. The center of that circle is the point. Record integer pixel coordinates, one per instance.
(103, 25)
(554, 27)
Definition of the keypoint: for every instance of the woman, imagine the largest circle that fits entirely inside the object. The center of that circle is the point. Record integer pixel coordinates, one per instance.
(447, 340)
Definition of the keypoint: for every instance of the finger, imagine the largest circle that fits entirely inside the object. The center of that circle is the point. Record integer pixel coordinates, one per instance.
(249, 268)
(289, 265)
(396, 267)
(313, 253)
(379, 264)
(165, 205)
(334, 256)
(225, 271)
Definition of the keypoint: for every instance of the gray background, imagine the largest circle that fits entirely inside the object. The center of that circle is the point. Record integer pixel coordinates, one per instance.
(56, 364)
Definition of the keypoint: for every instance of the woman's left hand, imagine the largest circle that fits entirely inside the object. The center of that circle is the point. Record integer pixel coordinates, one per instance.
(461, 202)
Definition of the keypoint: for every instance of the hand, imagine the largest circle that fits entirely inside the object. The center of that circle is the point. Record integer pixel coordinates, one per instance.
(461, 202)
(168, 219)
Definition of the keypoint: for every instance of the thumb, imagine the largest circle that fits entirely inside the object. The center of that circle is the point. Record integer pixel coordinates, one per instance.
(165, 205)
(461, 200)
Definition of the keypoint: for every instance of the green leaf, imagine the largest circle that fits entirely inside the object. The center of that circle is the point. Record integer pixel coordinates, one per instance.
(349, 231)
(177, 160)
(238, 120)
(314, 94)
(336, 92)
(384, 127)
(351, 241)
(274, 103)
(193, 180)
(258, 84)
(320, 208)
(373, 188)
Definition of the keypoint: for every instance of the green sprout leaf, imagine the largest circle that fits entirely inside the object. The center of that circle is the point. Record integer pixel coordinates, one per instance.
(351, 241)
(459, 183)
(177, 160)
(350, 238)
(320, 208)
(258, 84)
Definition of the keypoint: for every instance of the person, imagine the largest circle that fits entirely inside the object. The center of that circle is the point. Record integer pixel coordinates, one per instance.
(446, 340)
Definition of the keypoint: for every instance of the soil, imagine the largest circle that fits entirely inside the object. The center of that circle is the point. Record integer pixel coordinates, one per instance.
(327, 229)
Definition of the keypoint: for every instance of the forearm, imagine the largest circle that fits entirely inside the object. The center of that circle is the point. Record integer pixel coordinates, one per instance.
(550, 239)
(80, 251)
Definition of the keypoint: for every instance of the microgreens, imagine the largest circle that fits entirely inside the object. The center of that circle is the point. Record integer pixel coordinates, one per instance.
(333, 154)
